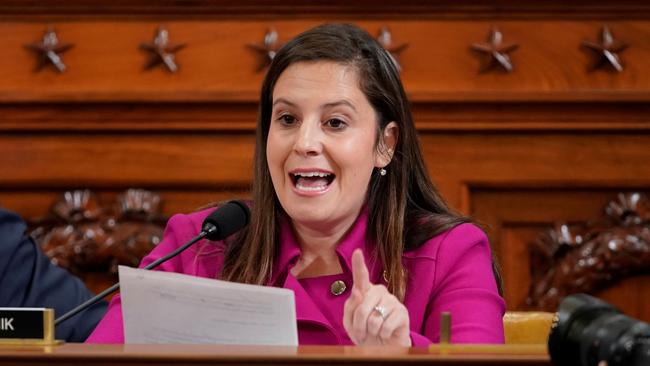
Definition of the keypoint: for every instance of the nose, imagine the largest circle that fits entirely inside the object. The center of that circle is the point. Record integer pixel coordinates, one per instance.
(309, 139)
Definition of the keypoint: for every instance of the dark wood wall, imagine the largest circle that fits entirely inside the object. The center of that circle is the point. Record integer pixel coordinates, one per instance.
(552, 141)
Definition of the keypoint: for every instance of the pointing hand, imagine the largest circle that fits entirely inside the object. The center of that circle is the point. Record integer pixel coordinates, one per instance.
(372, 315)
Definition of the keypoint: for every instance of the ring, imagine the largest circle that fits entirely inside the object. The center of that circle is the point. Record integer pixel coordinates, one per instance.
(381, 311)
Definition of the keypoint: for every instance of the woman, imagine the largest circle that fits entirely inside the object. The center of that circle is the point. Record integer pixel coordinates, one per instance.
(344, 212)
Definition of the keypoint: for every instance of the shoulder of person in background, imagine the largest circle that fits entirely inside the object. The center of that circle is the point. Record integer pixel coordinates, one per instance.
(29, 279)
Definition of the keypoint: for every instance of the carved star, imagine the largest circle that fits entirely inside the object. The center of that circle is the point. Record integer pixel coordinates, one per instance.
(267, 49)
(50, 51)
(162, 51)
(606, 51)
(385, 39)
(495, 52)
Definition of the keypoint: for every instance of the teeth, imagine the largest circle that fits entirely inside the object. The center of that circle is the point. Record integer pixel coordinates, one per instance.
(310, 189)
(312, 174)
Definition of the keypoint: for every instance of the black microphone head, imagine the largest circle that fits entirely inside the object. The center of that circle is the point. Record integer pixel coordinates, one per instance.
(227, 219)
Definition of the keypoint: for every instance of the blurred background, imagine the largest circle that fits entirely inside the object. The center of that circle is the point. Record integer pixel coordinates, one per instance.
(534, 117)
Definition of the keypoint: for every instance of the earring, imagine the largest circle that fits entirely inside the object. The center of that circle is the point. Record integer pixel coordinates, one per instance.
(382, 172)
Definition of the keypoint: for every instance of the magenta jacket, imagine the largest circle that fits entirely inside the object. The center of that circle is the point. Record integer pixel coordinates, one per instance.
(450, 272)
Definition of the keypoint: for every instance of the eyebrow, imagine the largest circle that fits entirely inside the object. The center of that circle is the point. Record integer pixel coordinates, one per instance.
(340, 102)
(282, 100)
(327, 105)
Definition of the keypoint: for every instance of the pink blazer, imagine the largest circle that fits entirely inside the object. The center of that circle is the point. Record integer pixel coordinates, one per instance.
(450, 272)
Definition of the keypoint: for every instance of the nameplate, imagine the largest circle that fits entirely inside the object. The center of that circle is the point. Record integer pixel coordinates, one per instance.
(27, 326)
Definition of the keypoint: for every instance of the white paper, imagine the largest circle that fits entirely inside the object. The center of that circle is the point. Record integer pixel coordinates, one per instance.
(165, 307)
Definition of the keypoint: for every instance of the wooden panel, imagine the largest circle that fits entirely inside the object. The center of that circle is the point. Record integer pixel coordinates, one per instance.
(215, 160)
(34, 203)
(196, 118)
(631, 294)
(106, 63)
(189, 171)
(516, 217)
(507, 160)
(314, 8)
(90, 160)
(199, 118)
(519, 184)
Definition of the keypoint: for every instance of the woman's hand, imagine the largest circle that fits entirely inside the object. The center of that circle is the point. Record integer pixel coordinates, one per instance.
(372, 315)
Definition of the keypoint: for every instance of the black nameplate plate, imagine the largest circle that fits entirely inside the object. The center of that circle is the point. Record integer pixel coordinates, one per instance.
(28, 323)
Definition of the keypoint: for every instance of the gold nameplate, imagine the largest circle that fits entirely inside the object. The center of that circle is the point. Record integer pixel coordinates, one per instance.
(27, 326)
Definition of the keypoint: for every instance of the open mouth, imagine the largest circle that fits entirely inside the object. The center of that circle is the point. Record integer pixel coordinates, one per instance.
(315, 181)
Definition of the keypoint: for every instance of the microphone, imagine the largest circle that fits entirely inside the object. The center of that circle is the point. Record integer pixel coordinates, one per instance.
(221, 223)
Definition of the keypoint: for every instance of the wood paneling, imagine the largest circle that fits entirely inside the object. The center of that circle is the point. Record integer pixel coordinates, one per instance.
(508, 160)
(33, 203)
(91, 160)
(221, 117)
(217, 64)
(474, 9)
(515, 217)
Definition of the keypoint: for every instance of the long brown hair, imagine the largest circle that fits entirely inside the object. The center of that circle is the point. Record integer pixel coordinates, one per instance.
(405, 209)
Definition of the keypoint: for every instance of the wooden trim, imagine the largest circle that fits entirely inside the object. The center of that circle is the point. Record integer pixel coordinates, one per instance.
(233, 117)
(465, 199)
(441, 9)
(548, 185)
(48, 185)
(89, 354)
(198, 96)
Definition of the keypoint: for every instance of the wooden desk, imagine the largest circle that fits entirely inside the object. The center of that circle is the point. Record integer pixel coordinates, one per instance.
(82, 354)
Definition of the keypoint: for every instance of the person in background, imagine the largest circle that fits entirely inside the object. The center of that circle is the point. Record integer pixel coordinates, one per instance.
(344, 212)
(29, 279)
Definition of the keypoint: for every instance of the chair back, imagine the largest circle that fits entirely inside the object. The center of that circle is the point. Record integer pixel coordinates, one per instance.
(527, 327)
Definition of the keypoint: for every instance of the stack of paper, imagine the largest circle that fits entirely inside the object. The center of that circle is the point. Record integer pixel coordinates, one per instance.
(164, 307)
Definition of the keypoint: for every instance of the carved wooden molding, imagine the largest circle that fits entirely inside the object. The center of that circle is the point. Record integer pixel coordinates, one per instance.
(479, 9)
(162, 51)
(589, 257)
(50, 51)
(495, 53)
(267, 49)
(385, 39)
(606, 51)
(84, 235)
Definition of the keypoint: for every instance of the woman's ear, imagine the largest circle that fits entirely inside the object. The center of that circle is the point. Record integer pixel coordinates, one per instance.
(386, 145)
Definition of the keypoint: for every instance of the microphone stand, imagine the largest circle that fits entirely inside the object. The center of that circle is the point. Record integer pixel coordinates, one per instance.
(207, 230)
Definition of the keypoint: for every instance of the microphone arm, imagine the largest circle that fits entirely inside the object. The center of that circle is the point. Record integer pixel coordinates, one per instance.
(208, 229)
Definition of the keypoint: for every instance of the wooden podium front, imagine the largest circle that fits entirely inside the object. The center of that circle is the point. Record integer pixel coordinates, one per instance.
(87, 354)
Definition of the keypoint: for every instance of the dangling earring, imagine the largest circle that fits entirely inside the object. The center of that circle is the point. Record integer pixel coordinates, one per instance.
(382, 172)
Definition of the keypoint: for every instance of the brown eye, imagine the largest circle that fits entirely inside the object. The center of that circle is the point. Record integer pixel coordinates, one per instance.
(287, 119)
(336, 124)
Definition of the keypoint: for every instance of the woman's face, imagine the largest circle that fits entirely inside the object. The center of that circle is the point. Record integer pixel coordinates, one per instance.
(321, 147)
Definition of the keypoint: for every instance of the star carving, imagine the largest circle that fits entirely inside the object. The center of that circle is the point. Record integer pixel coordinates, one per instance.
(267, 49)
(50, 51)
(385, 39)
(606, 51)
(495, 52)
(161, 51)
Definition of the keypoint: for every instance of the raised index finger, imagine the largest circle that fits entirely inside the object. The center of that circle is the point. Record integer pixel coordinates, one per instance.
(360, 275)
